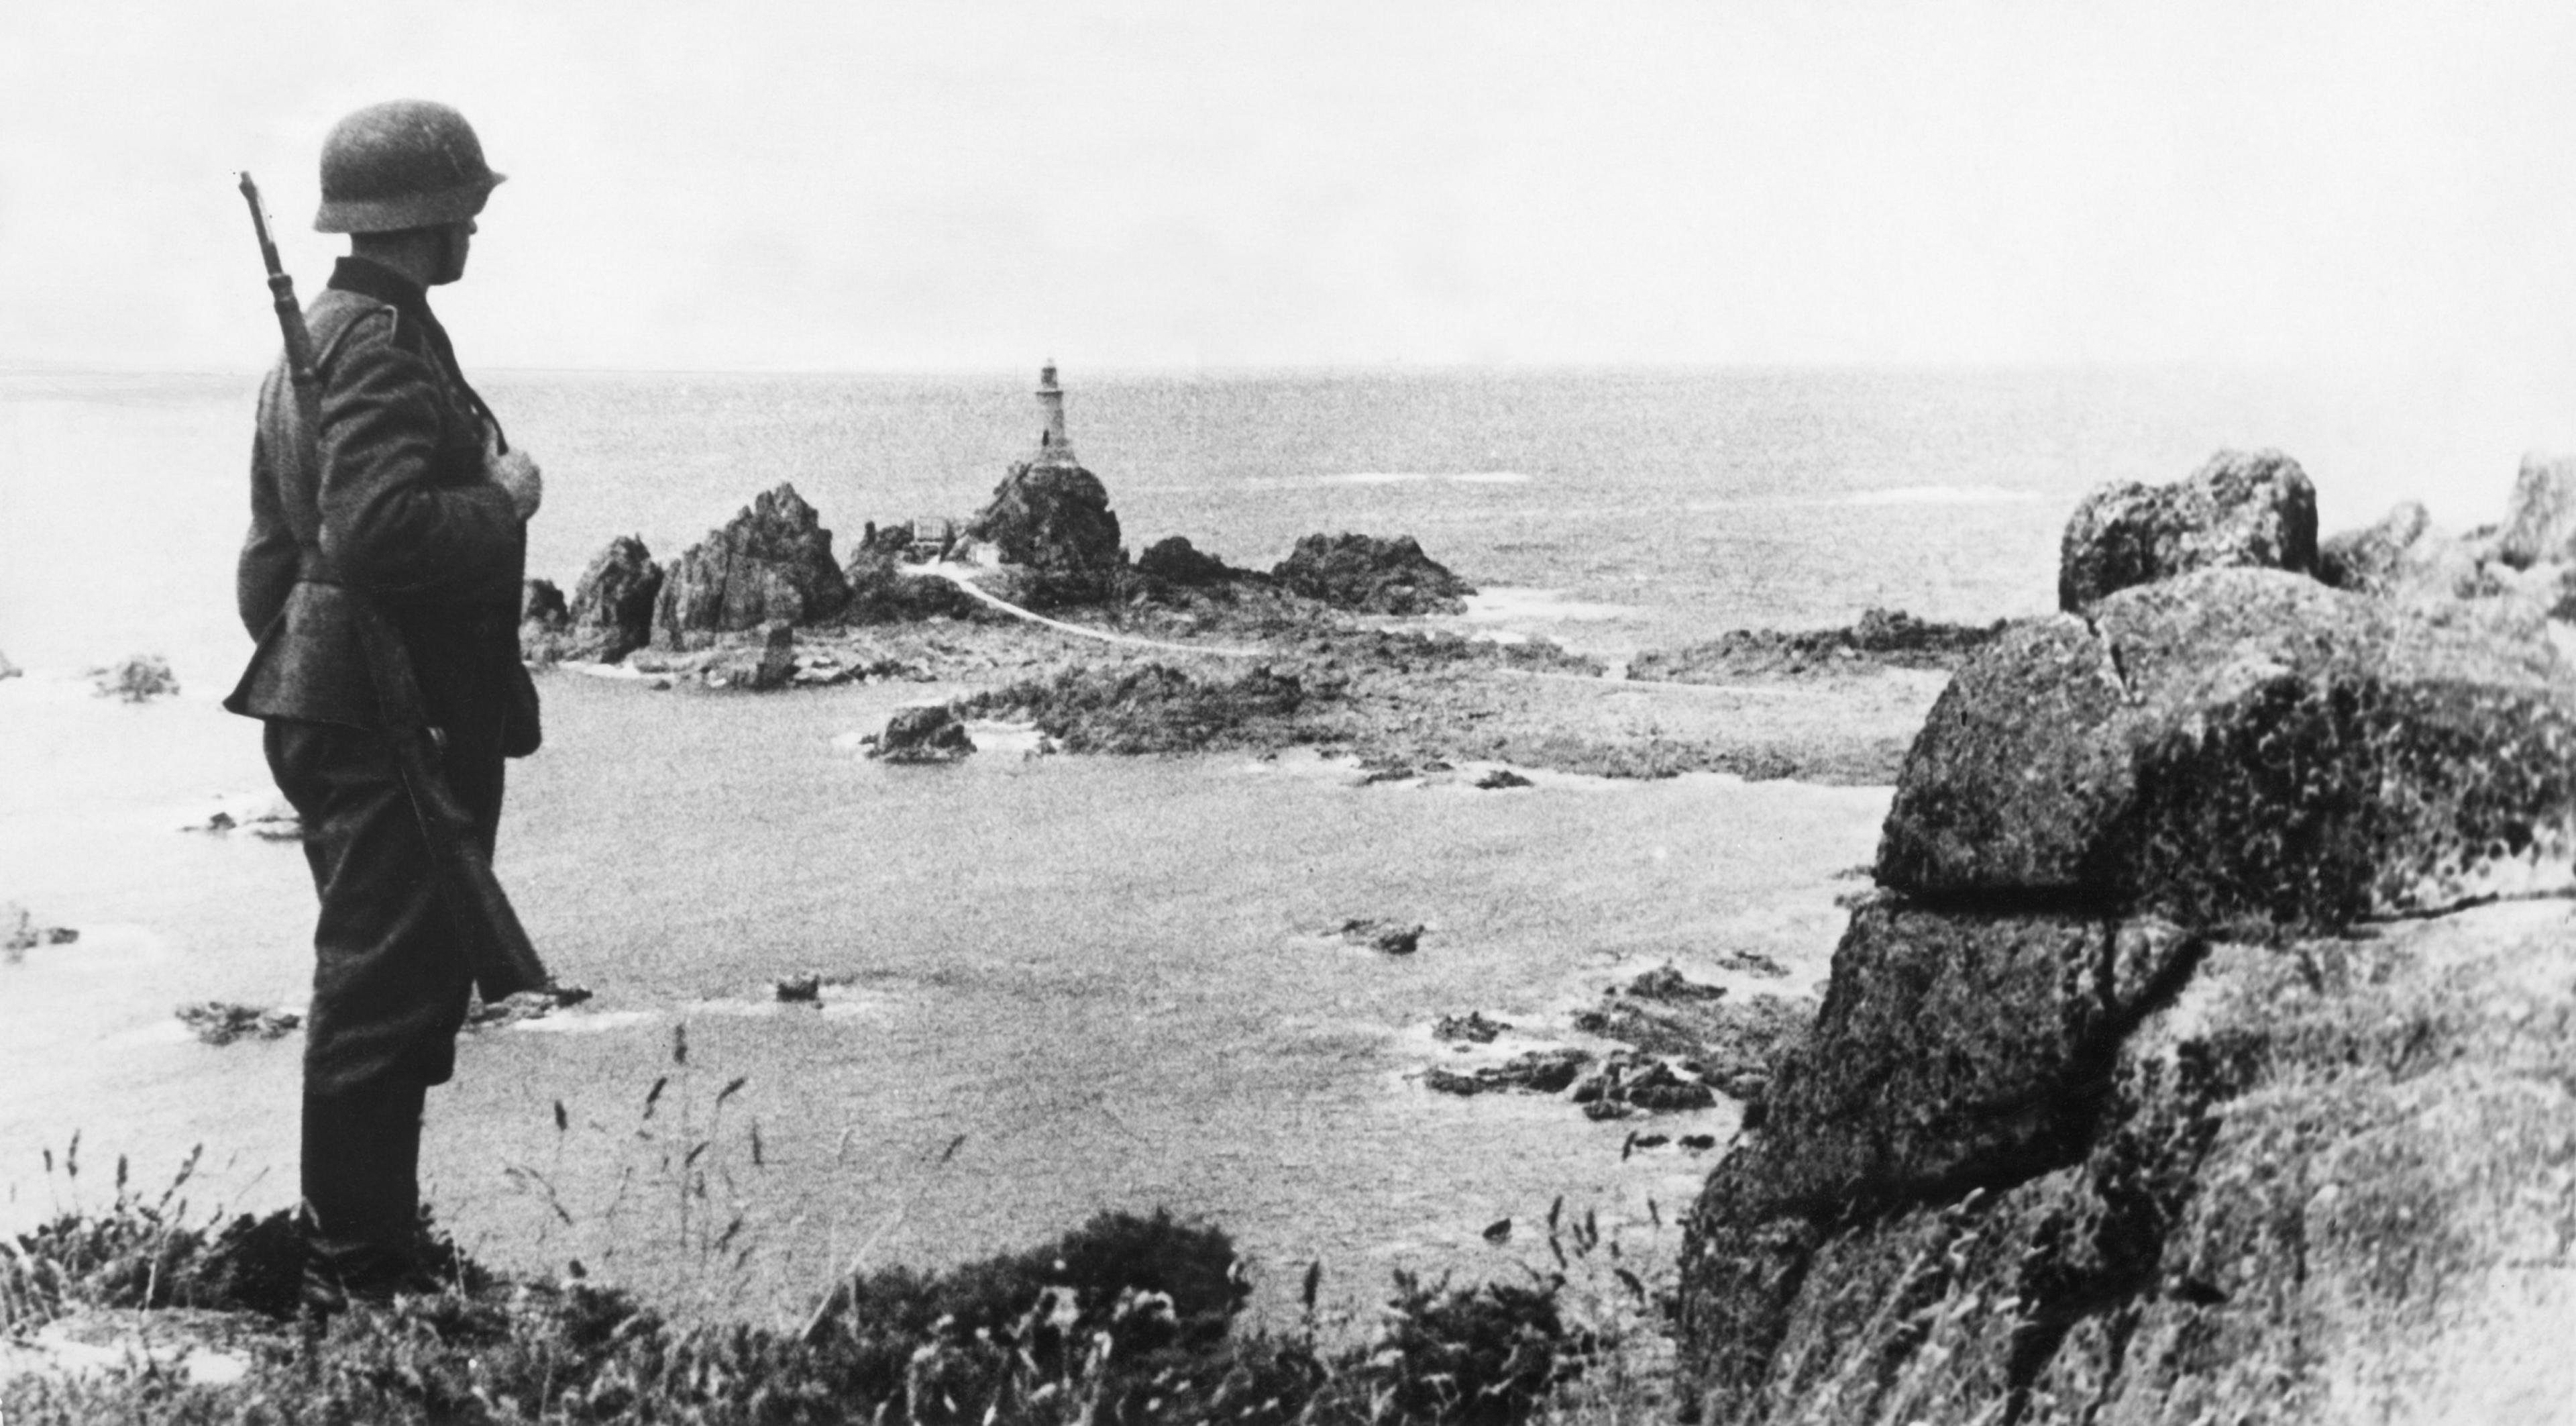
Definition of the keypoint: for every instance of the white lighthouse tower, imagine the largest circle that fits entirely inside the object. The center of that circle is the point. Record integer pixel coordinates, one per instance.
(1053, 448)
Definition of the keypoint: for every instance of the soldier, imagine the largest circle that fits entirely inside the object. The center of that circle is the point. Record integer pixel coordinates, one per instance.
(414, 526)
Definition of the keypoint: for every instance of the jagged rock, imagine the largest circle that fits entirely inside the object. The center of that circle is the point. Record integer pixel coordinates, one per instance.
(1174, 560)
(2541, 523)
(1372, 575)
(883, 591)
(922, 735)
(1054, 519)
(2310, 1188)
(611, 614)
(542, 621)
(773, 560)
(2241, 508)
(2244, 744)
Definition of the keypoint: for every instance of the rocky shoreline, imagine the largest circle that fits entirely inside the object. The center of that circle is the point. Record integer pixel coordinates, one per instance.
(2201, 1054)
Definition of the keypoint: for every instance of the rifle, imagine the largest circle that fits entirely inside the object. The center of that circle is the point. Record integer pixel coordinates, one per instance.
(503, 960)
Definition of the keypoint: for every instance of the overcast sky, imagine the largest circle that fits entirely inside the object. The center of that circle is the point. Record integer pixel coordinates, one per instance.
(960, 185)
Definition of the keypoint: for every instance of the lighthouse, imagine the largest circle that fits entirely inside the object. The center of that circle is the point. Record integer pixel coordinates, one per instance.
(1053, 448)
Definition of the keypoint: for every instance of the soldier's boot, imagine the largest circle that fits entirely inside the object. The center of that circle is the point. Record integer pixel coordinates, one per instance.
(361, 1180)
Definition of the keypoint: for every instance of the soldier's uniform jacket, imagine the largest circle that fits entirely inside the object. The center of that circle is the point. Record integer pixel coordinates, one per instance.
(404, 514)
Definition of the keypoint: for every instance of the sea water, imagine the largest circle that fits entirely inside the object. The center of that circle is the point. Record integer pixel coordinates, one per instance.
(1054, 985)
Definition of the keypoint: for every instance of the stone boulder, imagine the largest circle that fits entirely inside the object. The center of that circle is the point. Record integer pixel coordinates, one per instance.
(1174, 560)
(1364, 573)
(2405, 556)
(2241, 508)
(2323, 1187)
(8, 669)
(773, 560)
(611, 614)
(2541, 525)
(1053, 518)
(2245, 745)
(929, 734)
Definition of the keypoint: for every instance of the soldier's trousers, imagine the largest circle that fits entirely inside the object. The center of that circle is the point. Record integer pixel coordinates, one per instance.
(390, 980)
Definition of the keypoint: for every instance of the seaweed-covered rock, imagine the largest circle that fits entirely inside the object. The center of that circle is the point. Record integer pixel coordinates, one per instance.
(773, 560)
(1371, 575)
(2240, 745)
(2541, 523)
(1149, 707)
(611, 613)
(1880, 638)
(2241, 508)
(928, 734)
(1053, 518)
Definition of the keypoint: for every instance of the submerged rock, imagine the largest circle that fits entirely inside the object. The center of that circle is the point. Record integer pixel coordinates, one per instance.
(1372, 575)
(1471, 1028)
(1536, 1072)
(20, 932)
(927, 734)
(1396, 938)
(220, 1023)
(773, 560)
(2242, 508)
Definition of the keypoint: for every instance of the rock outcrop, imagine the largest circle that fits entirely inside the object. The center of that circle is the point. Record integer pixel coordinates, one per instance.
(1174, 560)
(773, 560)
(2541, 524)
(542, 621)
(1053, 519)
(2241, 508)
(1371, 575)
(2245, 745)
(611, 614)
(884, 591)
(2114, 1111)
(926, 734)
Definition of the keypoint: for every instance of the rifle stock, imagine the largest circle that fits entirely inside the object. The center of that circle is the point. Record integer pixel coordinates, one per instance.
(497, 949)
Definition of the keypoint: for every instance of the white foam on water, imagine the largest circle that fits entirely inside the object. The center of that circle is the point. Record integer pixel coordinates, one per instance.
(582, 1022)
(1892, 495)
(1394, 477)
(1512, 602)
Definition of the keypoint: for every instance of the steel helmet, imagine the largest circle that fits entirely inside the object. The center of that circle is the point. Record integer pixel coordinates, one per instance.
(405, 163)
